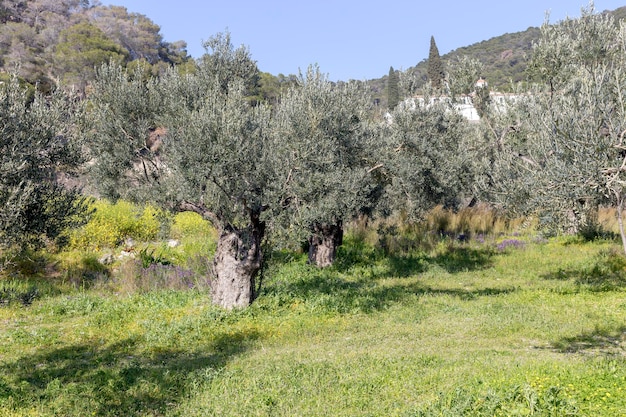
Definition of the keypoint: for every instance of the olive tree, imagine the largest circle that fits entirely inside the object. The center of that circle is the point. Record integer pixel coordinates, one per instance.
(426, 158)
(37, 148)
(219, 162)
(324, 143)
(213, 158)
(572, 123)
(123, 114)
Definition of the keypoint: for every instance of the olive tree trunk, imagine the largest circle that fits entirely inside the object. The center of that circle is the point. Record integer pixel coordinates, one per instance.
(237, 261)
(323, 243)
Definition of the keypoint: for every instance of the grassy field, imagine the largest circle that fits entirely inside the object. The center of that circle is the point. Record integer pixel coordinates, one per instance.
(518, 326)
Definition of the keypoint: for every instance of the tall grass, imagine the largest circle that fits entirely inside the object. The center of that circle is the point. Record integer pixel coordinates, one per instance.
(607, 220)
(396, 235)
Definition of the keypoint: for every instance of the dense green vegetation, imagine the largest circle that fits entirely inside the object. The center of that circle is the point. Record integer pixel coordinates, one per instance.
(436, 71)
(393, 93)
(56, 42)
(34, 145)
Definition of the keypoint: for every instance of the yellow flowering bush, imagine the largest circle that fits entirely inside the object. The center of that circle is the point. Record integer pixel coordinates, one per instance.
(112, 223)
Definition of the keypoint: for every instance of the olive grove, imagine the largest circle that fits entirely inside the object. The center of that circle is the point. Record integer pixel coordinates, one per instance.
(318, 155)
(560, 146)
(291, 172)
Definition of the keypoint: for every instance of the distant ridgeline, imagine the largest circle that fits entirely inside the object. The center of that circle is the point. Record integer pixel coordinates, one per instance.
(504, 59)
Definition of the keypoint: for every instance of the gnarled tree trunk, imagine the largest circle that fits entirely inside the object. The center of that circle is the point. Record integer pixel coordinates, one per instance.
(583, 218)
(323, 243)
(237, 261)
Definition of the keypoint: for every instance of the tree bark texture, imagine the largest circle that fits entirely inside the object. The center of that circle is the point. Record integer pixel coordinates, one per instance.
(237, 261)
(323, 243)
(582, 219)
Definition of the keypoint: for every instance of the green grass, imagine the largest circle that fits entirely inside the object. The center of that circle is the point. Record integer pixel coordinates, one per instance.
(477, 329)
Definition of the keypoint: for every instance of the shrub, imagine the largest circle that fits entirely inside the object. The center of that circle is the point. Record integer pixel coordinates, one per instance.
(111, 224)
(198, 238)
(188, 224)
(14, 290)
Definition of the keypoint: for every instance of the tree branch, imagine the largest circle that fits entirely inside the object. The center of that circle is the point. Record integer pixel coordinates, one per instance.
(204, 212)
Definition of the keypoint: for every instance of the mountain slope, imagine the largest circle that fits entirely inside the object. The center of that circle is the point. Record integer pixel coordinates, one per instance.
(504, 58)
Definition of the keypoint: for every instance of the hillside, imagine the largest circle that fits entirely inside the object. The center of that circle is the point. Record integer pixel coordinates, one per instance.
(60, 42)
(504, 58)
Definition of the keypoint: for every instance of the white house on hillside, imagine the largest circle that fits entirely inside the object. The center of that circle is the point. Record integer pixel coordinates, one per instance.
(462, 104)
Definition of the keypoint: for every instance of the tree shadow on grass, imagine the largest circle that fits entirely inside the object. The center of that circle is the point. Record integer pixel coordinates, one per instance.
(113, 380)
(328, 292)
(364, 279)
(461, 259)
(453, 260)
(604, 342)
(353, 283)
(607, 273)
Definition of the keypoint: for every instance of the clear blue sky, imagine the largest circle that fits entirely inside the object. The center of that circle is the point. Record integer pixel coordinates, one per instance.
(348, 39)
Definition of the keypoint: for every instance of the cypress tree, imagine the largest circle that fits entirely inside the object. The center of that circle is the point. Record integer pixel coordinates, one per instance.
(393, 95)
(436, 73)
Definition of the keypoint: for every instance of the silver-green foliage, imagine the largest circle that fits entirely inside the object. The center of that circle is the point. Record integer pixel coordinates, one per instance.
(426, 158)
(123, 109)
(323, 139)
(213, 157)
(226, 63)
(499, 152)
(218, 148)
(462, 76)
(36, 145)
(572, 122)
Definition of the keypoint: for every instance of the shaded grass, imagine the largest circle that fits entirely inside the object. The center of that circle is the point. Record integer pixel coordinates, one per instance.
(606, 272)
(603, 340)
(102, 356)
(111, 379)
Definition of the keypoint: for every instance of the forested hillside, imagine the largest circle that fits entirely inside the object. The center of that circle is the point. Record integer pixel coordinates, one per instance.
(59, 42)
(504, 58)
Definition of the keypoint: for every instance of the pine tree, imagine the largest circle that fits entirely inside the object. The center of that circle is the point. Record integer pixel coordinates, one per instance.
(393, 95)
(436, 73)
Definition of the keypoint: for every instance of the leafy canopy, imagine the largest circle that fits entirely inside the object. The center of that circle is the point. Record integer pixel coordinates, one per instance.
(37, 145)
